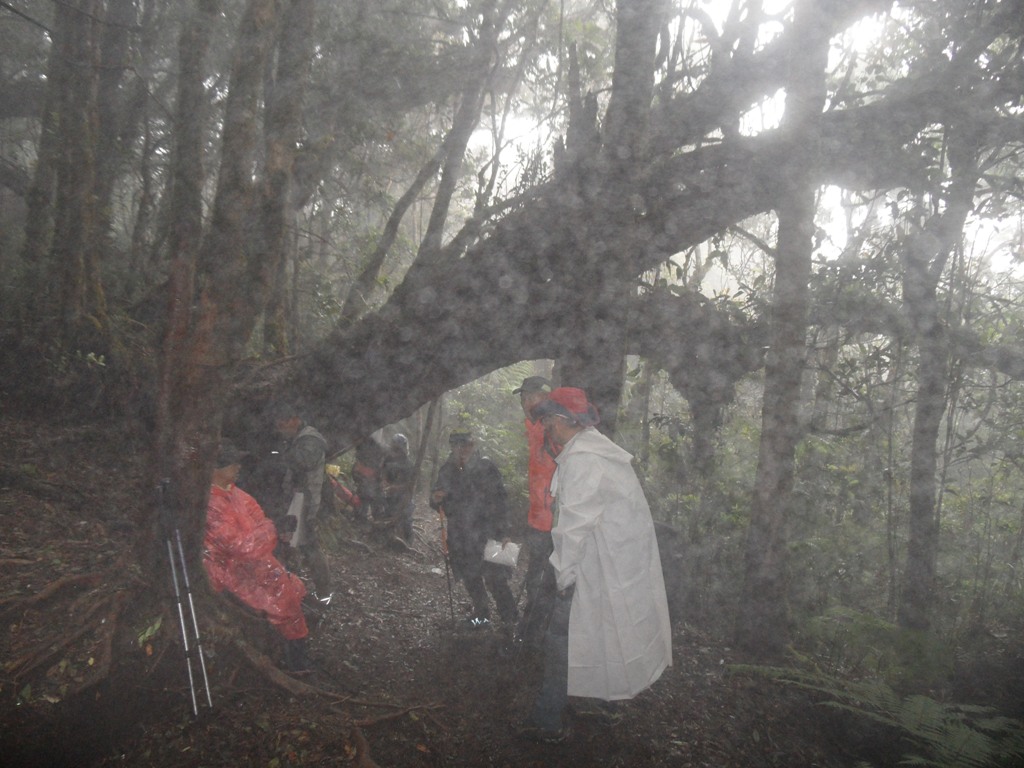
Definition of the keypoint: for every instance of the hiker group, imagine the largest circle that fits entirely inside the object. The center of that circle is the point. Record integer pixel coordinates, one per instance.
(596, 609)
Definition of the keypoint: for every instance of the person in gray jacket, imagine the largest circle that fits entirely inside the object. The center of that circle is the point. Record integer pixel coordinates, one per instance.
(305, 457)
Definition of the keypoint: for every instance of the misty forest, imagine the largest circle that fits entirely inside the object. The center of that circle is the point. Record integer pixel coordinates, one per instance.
(779, 244)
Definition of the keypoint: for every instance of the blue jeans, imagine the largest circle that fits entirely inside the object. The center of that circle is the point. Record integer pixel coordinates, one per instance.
(554, 691)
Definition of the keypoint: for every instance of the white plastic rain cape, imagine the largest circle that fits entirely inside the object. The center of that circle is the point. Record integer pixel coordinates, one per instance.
(619, 636)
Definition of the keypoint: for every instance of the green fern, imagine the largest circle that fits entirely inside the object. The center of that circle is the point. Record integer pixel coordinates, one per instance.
(950, 735)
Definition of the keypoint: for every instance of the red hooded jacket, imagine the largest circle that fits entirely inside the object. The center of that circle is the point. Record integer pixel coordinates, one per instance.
(541, 468)
(239, 557)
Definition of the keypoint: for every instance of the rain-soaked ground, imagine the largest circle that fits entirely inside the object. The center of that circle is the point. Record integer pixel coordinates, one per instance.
(396, 682)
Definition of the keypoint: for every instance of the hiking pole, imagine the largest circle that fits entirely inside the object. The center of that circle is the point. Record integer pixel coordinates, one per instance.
(181, 611)
(448, 578)
(181, 622)
(195, 623)
(447, 562)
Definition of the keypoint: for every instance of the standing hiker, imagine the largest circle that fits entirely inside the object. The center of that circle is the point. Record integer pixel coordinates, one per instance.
(540, 580)
(471, 495)
(305, 459)
(397, 476)
(609, 636)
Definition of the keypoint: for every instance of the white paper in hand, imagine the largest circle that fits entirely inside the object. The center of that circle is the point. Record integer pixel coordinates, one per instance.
(495, 553)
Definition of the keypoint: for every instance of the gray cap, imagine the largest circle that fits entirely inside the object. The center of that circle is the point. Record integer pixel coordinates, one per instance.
(533, 384)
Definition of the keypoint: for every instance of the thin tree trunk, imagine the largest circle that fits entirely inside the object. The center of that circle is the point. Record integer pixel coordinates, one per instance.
(40, 199)
(924, 260)
(282, 133)
(467, 117)
(81, 302)
(762, 626)
(357, 298)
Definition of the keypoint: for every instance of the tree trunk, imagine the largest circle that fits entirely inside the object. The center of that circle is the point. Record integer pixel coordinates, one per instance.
(178, 436)
(609, 202)
(39, 216)
(762, 626)
(505, 299)
(232, 273)
(81, 303)
(924, 258)
(282, 128)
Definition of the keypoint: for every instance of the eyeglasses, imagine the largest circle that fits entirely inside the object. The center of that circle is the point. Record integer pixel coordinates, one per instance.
(545, 417)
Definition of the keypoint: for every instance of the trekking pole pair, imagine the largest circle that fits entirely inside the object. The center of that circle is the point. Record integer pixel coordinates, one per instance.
(197, 646)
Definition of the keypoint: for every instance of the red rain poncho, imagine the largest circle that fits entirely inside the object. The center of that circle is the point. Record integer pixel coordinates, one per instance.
(239, 557)
(541, 468)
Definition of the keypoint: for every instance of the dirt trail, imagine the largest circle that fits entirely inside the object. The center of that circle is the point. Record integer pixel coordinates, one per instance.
(403, 687)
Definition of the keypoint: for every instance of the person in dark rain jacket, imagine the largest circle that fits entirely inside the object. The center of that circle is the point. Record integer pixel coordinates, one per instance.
(397, 475)
(471, 495)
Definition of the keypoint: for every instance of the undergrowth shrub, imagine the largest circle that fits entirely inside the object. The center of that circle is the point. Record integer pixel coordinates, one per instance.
(938, 734)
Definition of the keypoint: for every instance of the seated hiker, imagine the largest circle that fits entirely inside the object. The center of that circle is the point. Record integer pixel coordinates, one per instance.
(238, 557)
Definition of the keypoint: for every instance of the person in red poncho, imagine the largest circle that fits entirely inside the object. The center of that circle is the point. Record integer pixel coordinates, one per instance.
(239, 557)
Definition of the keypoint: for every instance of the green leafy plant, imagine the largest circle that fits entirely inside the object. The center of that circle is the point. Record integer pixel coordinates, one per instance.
(943, 735)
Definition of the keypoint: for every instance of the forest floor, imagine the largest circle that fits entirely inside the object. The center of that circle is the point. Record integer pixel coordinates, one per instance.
(87, 678)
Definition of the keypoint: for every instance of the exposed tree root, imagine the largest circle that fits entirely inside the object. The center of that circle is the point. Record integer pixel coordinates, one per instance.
(109, 626)
(281, 679)
(368, 721)
(35, 659)
(90, 579)
(27, 481)
(362, 757)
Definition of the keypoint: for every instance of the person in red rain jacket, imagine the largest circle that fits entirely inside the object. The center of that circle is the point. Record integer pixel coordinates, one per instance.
(540, 578)
(239, 557)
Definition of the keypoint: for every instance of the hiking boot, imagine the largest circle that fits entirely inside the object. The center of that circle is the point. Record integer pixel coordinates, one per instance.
(530, 730)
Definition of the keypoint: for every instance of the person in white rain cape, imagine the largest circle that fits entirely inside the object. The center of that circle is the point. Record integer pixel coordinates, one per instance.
(609, 638)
